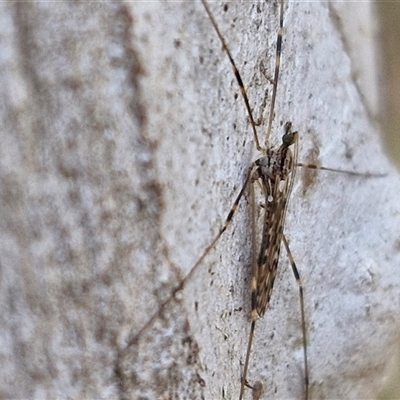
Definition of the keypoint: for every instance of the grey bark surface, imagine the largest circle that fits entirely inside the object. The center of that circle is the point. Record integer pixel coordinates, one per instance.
(124, 142)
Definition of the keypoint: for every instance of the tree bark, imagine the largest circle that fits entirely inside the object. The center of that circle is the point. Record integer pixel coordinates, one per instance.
(124, 142)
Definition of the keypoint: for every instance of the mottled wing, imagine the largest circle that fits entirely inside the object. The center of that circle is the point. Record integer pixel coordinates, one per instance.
(277, 191)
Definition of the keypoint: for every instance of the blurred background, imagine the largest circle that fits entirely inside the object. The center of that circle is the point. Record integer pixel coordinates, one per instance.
(389, 16)
(389, 38)
(389, 32)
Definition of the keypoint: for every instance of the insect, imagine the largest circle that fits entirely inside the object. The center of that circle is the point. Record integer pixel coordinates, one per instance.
(266, 175)
(274, 172)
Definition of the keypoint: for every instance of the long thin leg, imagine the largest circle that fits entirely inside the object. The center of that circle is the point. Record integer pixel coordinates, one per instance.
(276, 75)
(237, 75)
(303, 319)
(182, 283)
(343, 171)
(246, 363)
(253, 266)
(240, 81)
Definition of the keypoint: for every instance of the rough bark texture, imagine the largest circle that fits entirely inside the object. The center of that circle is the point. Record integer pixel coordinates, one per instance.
(124, 141)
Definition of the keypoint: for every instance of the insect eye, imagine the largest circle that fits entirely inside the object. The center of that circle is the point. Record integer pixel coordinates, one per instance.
(288, 139)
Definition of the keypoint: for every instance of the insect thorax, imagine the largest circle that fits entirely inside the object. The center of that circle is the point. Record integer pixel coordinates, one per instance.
(277, 163)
